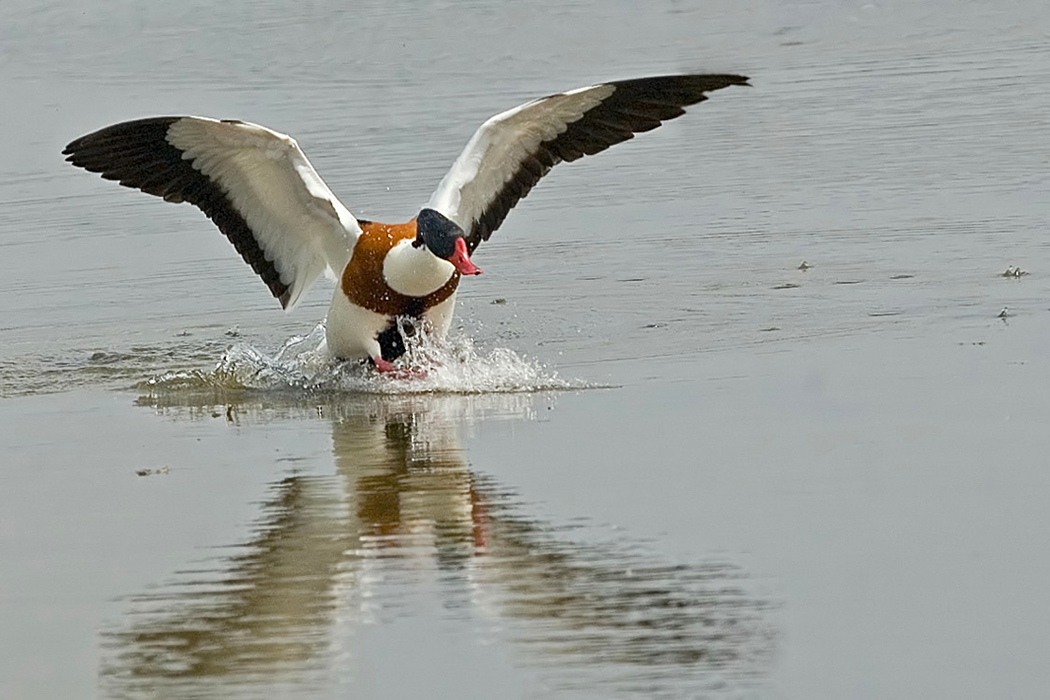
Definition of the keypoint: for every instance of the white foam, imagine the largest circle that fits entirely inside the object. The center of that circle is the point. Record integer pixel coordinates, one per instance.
(452, 366)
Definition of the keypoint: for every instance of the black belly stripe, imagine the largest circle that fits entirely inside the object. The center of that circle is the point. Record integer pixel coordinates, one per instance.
(391, 344)
(137, 154)
(392, 341)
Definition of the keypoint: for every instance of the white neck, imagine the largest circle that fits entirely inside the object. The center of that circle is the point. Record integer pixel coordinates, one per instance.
(415, 272)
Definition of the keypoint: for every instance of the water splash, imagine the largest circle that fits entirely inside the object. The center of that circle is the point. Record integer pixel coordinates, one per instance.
(432, 365)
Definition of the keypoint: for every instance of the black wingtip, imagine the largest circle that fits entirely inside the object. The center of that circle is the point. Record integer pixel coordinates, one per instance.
(727, 78)
(721, 80)
(707, 81)
(680, 90)
(70, 151)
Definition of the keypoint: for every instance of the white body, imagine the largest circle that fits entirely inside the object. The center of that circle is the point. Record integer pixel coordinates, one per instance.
(351, 331)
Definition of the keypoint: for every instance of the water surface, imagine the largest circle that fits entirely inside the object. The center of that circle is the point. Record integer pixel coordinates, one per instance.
(661, 459)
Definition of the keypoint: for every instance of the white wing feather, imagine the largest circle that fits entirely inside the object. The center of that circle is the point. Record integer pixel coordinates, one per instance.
(296, 219)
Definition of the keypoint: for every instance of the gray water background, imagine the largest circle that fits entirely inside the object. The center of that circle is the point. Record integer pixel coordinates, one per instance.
(804, 484)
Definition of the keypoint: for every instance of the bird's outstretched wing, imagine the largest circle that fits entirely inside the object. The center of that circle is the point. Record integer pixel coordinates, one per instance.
(509, 154)
(253, 183)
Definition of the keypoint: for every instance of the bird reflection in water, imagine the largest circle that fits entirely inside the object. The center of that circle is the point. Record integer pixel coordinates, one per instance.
(404, 512)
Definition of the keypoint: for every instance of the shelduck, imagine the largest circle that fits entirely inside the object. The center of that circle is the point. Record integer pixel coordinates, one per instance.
(260, 190)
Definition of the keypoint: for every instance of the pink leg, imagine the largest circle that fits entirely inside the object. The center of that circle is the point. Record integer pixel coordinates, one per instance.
(383, 365)
(387, 367)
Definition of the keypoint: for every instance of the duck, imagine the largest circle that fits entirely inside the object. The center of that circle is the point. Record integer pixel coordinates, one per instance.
(260, 190)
